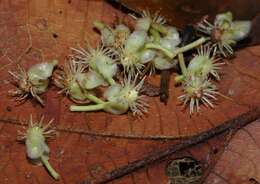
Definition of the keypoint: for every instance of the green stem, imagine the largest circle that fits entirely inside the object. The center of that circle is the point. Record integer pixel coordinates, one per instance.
(191, 45)
(179, 79)
(182, 63)
(156, 35)
(111, 81)
(99, 25)
(159, 47)
(160, 28)
(95, 99)
(170, 54)
(53, 173)
(87, 107)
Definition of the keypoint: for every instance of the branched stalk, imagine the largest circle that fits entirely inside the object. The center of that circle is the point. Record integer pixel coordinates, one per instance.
(50, 169)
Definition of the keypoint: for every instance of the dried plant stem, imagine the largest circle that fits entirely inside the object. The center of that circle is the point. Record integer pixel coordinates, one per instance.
(164, 85)
(234, 123)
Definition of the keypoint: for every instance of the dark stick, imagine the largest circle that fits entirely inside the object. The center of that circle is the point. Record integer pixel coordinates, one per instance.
(234, 123)
(164, 86)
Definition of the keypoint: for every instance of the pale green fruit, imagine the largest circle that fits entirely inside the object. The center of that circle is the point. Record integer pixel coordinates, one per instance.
(106, 69)
(203, 64)
(107, 34)
(163, 63)
(136, 41)
(35, 143)
(121, 28)
(116, 106)
(39, 75)
(77, 87)
(93, 80)
(200, 65)
(143, 23)
(224, 20)
(147, 55)
(171, 40)
(112, 92)
(125, 96)
(240, 30)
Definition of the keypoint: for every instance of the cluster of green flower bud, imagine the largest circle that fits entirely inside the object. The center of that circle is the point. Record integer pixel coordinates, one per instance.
(225, 32)
(152, 45)
(33, 82)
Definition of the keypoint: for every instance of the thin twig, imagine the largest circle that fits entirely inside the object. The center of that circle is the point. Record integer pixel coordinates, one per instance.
(164, 86)
(234, 123)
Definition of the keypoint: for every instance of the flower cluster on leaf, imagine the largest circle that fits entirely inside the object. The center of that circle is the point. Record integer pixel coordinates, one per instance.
(119, 63)
(118, 67)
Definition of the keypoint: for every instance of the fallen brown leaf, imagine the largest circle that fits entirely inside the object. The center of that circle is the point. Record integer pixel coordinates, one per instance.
(33, 31)
(240, 162)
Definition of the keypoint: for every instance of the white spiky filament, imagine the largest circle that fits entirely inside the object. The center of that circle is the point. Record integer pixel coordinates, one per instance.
(224, 48)
(43, 131)
(24, 86)
(205, 26)
(67, 76)
(149, 69)
(90, 54)
(131, 93)
(222, 45)
(198, 90)
(130, 62)
(156, 17)
(212, 66)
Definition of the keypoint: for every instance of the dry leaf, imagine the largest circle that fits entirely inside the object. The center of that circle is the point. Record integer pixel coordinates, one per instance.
(33, 31)
(240, 162)
(184, 12)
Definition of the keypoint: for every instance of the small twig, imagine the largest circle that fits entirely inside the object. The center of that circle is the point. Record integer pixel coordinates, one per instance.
(164, 85)
(234, 123)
